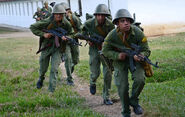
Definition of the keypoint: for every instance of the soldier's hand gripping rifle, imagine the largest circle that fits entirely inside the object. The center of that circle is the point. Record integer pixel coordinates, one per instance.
(57, 33)
(94, 38)
(131, 53)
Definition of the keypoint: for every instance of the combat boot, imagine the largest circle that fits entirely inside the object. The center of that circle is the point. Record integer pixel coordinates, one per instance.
(40, 83)
(137, 109)
(93, 89)
(70, 83)
(107, 102)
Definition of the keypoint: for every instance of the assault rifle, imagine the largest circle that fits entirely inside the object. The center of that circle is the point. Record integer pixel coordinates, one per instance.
(134, 51)
(94, 38)
(57, 33)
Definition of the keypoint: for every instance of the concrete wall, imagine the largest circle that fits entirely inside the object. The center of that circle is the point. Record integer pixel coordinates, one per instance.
(20, 13)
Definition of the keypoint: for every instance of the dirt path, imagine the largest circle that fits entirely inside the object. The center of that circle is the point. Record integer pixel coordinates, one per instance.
(95, 102)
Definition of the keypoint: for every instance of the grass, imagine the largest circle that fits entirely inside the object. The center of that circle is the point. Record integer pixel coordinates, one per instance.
(164, 94)
(5, 30)
(18, 93)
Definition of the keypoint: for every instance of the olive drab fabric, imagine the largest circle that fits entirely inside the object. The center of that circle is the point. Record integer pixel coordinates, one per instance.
(37, 15)
(102, 9)
(122, 13)
(89, 27)
(47, 10)
(51, 54)
(121, 68)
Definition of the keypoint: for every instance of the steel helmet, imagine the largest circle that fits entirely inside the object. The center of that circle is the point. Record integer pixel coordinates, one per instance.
(65, 5)
(58, 8)
(38, 9)
(46, 3)
(102, 9)
(122, 13)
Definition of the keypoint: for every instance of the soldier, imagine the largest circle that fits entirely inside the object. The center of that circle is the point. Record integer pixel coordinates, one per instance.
(46, 10)
(100, 25)
(51, 53)
(72, 51)
(38, 14)
(123, 36)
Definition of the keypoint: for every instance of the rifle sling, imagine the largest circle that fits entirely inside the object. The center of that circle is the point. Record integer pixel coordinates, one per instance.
(73, 23)
(123, 38)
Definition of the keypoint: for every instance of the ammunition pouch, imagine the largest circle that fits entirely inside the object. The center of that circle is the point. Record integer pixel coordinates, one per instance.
(148, 69)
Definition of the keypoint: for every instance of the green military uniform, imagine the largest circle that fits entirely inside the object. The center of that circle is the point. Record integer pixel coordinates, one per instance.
(48, 11)
(115, 37)
(36, 15)
(91, 26)
(72, 51)
(52, 53)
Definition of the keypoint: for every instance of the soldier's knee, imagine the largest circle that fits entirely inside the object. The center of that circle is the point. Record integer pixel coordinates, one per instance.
(140, 82)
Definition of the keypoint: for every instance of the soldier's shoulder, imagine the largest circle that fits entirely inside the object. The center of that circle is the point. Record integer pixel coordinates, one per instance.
(136, 29)
(112, 33)
(89, 22)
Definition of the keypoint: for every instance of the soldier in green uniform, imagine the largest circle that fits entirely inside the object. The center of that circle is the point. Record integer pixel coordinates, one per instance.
(37, 15)
(46, 10)
(72, 51)
(100, 25)
(123, 36)
(53, 53)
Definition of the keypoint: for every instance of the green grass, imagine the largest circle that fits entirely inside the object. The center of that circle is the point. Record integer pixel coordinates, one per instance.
(164, 93)
(4, 30)
(18, 93)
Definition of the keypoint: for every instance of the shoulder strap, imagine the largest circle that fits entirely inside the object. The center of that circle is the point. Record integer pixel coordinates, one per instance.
(50, 26)
(123, 38)
(99, 28)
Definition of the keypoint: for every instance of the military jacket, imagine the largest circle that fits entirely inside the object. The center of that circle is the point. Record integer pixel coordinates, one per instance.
(135, 36)
(75, 22)
(91, 25)
(37, 14)
(49, 10)
(50, 23)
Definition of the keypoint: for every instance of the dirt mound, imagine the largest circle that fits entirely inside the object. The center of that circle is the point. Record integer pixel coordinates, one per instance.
(163, 29)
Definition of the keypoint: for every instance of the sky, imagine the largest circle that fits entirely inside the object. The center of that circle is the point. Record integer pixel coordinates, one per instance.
(158, 11)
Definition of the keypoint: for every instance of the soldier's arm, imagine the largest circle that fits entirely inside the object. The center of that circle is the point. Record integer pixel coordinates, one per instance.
(85, 27)
(108, 50)
(68, 27)
(34, 16)
(77, 22)
(144, 44)
(37, 27)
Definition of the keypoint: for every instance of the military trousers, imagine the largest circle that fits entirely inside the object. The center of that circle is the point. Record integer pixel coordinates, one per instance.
(52, 56)
(95, 70)
(121, 81)
(71, 59)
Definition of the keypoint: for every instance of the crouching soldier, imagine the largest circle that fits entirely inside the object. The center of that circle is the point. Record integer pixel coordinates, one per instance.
(51, 46)
(123, 36)
(99, 25)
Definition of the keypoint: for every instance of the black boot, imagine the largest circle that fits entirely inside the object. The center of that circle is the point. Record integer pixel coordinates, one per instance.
(107, 102)
(70, 83)
(137, 109)
(40, 83)
(93, 89)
